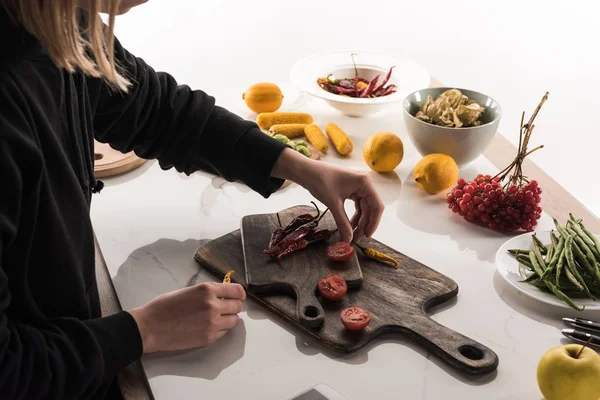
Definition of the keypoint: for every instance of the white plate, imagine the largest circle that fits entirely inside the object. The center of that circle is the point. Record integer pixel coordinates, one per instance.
(407, 75)
(510, 269)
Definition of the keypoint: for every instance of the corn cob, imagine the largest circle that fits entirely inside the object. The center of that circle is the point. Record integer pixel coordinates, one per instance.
(342, 143)
(316, 137)
(289, 130)
(268, 119)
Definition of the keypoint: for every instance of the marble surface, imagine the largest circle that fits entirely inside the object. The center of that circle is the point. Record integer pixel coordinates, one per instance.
(150, 222)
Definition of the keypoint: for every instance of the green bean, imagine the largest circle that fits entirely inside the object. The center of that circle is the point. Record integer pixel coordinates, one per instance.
(535, 264)
(553, 238)
(554, 289)
(594, 239)
(559, 265)
(561, 230)
(516, 252)
(538, 254)
(525, 261)
(591, 236)
(583, 262)
(550, 252)
(564, 297)
(573, 267)
(531, 277)
(586, 258)
(586, 249)
(554, 260)
(573, 279)
(541, 245)
(582, 235)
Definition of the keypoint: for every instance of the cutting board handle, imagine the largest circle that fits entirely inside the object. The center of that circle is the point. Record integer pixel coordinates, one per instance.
(309, 309)
(465, 354)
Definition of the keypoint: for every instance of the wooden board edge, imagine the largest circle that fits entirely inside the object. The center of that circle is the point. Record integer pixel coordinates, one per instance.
(132, 380)
(556, 201)
(127, 164)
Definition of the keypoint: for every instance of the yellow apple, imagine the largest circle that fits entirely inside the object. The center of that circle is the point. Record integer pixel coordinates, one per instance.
(562, 376)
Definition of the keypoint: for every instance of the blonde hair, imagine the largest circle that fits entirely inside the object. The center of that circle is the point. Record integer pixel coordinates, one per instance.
(55, 24)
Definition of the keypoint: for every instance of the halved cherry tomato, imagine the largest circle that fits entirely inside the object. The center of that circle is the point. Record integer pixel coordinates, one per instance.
(333, 287)
(340, 251)
(355, 318)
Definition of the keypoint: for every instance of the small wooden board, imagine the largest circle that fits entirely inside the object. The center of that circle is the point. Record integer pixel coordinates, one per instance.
(398, 301)
(111, 162)
(298, 273)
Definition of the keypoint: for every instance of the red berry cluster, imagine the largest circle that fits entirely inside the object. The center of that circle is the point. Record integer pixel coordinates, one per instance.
(485, 201)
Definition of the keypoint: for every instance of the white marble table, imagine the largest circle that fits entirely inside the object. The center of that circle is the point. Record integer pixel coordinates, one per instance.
(150, 222)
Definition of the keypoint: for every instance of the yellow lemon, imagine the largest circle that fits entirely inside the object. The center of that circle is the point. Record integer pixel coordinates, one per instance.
(383, 151)
(436, 173)
(263, 97)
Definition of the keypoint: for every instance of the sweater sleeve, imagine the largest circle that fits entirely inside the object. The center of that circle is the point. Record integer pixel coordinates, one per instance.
(183, 128)
(59, 358)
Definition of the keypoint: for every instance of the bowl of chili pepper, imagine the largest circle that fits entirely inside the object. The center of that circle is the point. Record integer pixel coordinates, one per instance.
(358, 83)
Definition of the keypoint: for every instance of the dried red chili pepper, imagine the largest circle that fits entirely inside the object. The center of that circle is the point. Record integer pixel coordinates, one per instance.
(317, 236)
(300, 220)
(276, 237)
(356, 85)
(293, 237)
(370, 88)
(387, 78)
(297, 235)
(301, 244)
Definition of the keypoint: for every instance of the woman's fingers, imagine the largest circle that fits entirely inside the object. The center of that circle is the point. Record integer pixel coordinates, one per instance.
(230, 291)
(376, 207)
(227, 322)
(229, 307)
(357, 214)
(341, 220)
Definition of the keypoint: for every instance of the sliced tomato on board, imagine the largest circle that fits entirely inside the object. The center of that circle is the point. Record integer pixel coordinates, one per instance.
(355, 318)
(333, 287)
(340, 251)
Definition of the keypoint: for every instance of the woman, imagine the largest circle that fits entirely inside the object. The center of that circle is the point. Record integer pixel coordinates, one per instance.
(64, 80)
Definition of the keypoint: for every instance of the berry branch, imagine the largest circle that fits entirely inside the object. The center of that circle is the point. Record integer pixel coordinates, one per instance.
(525, 132)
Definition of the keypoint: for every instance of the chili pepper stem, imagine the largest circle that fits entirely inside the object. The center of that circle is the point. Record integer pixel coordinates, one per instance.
(322, 215)
(354, 63)
(317, 208)
(279, 221)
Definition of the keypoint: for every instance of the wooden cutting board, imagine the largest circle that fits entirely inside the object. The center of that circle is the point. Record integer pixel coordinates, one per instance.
(398, 301)
(111, 162)
(298, 273)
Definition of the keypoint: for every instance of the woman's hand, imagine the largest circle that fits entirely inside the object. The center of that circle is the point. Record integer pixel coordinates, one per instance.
(332, 186)
(189, 318)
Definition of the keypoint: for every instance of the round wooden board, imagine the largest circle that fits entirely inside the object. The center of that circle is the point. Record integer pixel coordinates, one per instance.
(314, 154)
(110, 162)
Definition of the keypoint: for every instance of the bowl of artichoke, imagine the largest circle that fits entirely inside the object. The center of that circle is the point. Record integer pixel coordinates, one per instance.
(460, 123)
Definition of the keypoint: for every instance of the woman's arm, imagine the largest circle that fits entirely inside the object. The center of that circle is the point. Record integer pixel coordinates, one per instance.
(333, 186)
(60, 358)
(182, 128)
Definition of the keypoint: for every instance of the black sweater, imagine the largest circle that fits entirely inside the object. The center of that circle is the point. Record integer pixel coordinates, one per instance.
(53, 342)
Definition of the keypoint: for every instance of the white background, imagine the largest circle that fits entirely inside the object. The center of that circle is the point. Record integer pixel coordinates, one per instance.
(149, 222)
(511, 50)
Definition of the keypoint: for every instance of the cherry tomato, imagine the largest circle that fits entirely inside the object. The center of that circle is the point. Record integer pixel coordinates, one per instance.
(333, 287)
(340, 251)
(355, 318)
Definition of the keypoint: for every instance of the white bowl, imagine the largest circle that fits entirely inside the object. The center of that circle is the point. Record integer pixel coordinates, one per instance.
(406, 75)
(464, 145)
(513, 272)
